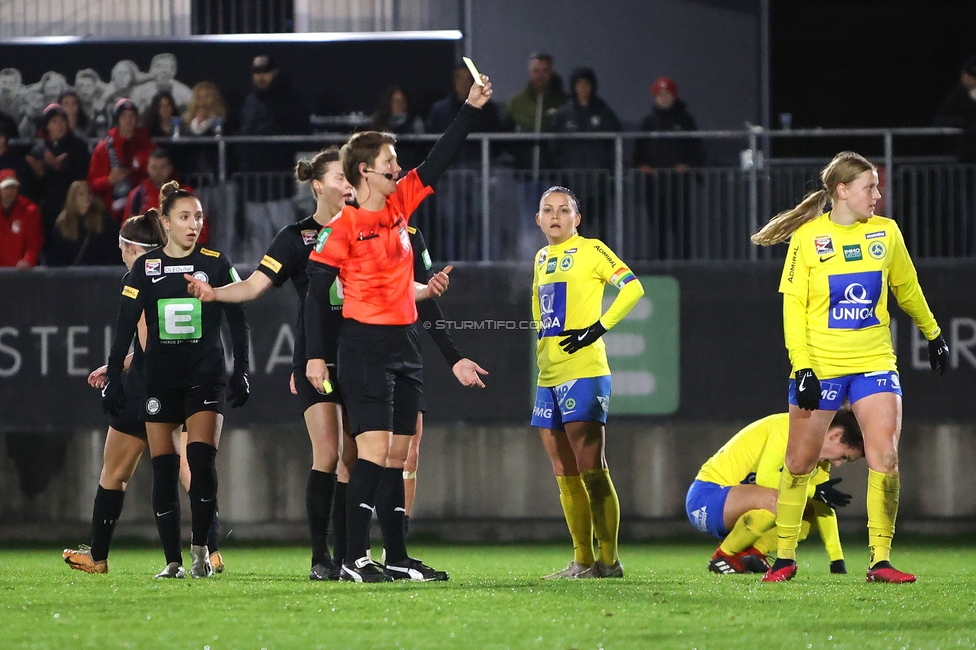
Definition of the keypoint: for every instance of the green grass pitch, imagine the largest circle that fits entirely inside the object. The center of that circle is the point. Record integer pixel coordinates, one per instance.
(495, 599)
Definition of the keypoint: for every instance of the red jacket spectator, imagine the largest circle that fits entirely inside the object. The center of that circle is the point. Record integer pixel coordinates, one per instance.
(115, 171)
(21, 237)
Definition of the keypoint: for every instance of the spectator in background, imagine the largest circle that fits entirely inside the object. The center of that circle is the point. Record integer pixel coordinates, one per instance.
(162, 73)
(89, 87)
(58, 160)
(31, 112)
(11, 90)
(83, 234)
(395, 114)
(586, 112)
(10, 159)
(958, 110)
(664, 162)
(125, 77)
(443, 112)
(119, 162)
(160, 119)
(51, 85)
(205, 116)
(273, 107)
(78, 121)
(669, 113)
(21, 237)
(530, 109)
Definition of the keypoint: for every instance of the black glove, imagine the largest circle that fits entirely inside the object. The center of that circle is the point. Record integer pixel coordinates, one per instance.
(807, 390)
(576, 340)
(827, 493)
(938, 354)
(240, 389)
(113, 396)
(838, 566)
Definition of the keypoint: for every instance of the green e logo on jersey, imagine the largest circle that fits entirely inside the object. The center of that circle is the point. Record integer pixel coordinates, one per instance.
(425, 256)
(322, 238)
(335, 294)
(180, 319)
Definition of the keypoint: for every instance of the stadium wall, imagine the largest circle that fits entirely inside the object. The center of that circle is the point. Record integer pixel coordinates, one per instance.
(484, 474)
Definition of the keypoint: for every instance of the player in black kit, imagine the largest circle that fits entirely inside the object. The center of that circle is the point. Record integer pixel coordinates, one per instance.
(287, 258)
(184, 371)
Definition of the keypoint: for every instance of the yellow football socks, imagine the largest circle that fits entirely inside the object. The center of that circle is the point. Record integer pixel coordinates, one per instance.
(605, 512)
(748, 530)
(790, 504)
(768, 542)
(882, 502)
(576, 508)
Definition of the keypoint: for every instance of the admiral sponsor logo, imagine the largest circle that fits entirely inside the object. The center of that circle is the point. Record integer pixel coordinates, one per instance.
(209, 253)
(700, 518)
(130, 292)
(272, 263)
(792, 273)
(178, 268)
(608, 256)
(154, 267)
(823, 245)
(201, 276)
(877, 250)
(875, 234)
(309, 237)
(852, 253)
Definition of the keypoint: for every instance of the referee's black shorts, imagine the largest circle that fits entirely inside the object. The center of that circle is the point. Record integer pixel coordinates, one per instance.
(308, 396)
(381, 375)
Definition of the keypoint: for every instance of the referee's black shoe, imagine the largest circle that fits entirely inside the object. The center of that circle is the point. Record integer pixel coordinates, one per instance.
(411, 569)
(363, 570)
(327, 571)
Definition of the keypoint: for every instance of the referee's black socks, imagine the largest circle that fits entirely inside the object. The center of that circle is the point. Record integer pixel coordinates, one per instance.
(390, 510)
(339, 523)
(319, 494)
(108, 507)
(364, 479)
(166, 504)
(201, 458)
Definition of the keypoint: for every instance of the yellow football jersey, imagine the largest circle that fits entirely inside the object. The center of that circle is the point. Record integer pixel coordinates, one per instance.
(567, 293)
(760, 449)
(838, 277)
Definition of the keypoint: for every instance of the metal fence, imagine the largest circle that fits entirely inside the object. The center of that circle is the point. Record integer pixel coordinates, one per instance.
(484, 207)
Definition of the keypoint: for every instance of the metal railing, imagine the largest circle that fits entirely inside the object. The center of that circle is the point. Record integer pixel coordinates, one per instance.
(484, 206)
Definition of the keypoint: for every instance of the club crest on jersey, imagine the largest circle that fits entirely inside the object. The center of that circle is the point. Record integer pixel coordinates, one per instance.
(201, 276)
(877, 250)
(552, 308)
(309, 237)
(823, 245)
(152, 406)
(566, 263)
(854, 300)
(154, 267)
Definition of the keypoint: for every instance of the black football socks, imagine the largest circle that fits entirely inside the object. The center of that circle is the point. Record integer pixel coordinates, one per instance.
(320, 492)
(105, 513)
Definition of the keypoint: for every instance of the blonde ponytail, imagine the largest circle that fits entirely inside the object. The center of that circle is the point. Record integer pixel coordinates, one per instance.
(844, 168)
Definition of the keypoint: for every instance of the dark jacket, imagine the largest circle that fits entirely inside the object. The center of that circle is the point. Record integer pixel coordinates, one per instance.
(959, 111)
(443, 112)
(669, 152)
(89, 249)
(52, 187)
(576, 118)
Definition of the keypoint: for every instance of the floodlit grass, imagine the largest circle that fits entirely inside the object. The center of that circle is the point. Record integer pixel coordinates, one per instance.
(495, 599)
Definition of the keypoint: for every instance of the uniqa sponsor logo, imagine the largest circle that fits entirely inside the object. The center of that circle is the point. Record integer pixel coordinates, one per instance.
(855, 295)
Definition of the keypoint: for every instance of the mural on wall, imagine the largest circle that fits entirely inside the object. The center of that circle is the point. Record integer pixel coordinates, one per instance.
(25, 102)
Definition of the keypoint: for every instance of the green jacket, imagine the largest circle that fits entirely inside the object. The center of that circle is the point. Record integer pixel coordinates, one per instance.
(521, 107)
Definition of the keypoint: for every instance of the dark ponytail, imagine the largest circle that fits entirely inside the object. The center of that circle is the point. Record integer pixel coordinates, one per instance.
(307, 170)
(144, 230)
(169, 194)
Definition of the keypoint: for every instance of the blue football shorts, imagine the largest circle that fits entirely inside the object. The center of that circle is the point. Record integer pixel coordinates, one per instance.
(705, 505)
(854, 387)
(577, 400)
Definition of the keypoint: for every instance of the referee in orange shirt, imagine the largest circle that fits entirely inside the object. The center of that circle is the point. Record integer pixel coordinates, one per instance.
(379, 363)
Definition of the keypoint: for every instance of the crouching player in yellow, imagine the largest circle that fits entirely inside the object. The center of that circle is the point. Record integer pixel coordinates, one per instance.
(734, 495)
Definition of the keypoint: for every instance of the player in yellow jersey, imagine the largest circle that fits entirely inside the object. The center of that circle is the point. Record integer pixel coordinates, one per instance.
(734, 495)
(573, 394)
(835, 282)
